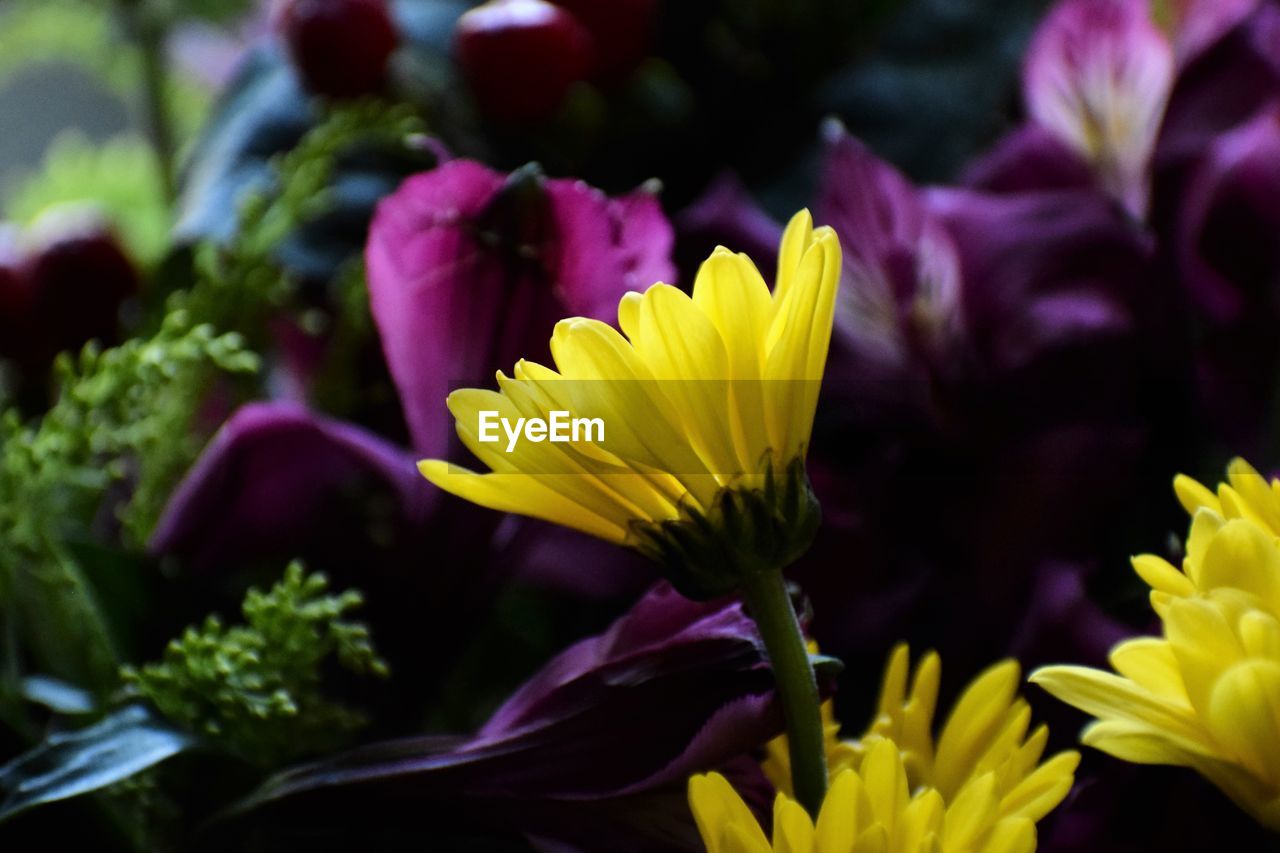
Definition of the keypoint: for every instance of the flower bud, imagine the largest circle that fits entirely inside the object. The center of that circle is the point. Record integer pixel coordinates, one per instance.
(622, 31)
(78, 276)
(520, 57)
(340, 48)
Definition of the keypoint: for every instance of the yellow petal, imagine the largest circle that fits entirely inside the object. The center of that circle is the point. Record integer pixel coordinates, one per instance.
(1150, 663)
(1159, 574)
(795, 241)
(717, 807)
(1110, 697)
(686, 354)
(886, 782)
(975, 718)
(838, 818)
(792, 828)
(1039, 793)
(1244, 716)
(520, 494)
(1193, 496)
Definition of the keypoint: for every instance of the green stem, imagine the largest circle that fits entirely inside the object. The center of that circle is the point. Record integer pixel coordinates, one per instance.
(770, 604)
(149, 32)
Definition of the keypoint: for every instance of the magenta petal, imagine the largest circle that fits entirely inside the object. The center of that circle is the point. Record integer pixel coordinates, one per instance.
(1098, 75)
(433, 290)
(604, 247)
(266, 473)
(469, 270)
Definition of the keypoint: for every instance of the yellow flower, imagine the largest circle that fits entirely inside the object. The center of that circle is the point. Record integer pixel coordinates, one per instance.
(1205, 695)
(707, 404)
(979, 788)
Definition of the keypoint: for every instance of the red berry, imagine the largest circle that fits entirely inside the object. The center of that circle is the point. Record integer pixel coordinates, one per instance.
(16, 300)
(78, 276)
(520, 57)
(340, 48)
(622, 30)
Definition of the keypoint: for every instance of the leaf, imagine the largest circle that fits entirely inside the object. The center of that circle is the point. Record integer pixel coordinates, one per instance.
(73, 763)
(57, 695)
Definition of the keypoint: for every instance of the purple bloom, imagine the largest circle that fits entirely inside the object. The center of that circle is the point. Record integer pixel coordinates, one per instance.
(1097, 76)
(1198, 24)
(1226, 242)
(1031, 159)
(268, 478)
(470, 269)
(900, 288)
(603, 738)
(725, 215)
(989, 358)
(1226, 84)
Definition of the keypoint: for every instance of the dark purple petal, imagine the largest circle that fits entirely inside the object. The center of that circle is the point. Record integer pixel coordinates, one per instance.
(900, 286)
(1226, 85)
(1062, 624)
(1042, 270)
(1200, 24)
(672, 688)
(1027, 160)
(266, 477)
(726, 215)
(1226, 244)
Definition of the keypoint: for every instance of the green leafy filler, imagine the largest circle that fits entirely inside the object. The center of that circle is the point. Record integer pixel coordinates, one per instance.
(107, 453)
(257, 688)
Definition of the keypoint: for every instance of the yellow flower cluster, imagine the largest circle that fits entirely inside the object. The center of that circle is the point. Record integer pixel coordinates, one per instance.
(1205, 695)
(979, 787)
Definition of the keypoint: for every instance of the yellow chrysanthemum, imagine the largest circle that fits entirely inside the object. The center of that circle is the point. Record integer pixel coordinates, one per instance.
(1206, 695)
(707, 404)
(979, 788)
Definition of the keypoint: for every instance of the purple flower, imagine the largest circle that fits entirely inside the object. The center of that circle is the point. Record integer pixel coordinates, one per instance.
(989, 357)
(470, 269)
(1097, 76)
(601, 740)
(1226, 242)
(1228, 81)
(725, 215)
(898, 313)
(1030, 159)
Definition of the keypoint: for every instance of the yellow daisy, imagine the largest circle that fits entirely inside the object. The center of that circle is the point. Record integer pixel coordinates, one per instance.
(1205, 695)
(705, 402)
(980, 787)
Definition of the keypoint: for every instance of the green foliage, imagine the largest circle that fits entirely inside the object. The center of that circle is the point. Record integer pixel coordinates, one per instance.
(121, 177)
(257, 687)
(240, 281)
(123, 420)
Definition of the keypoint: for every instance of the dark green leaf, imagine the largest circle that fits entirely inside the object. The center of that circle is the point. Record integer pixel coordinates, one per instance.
(73, 763)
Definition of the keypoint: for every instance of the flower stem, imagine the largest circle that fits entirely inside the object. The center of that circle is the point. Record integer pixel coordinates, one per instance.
(770, 604)
(149, 31)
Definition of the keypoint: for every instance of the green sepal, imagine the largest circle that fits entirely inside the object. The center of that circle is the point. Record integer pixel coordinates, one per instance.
(746, 531)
